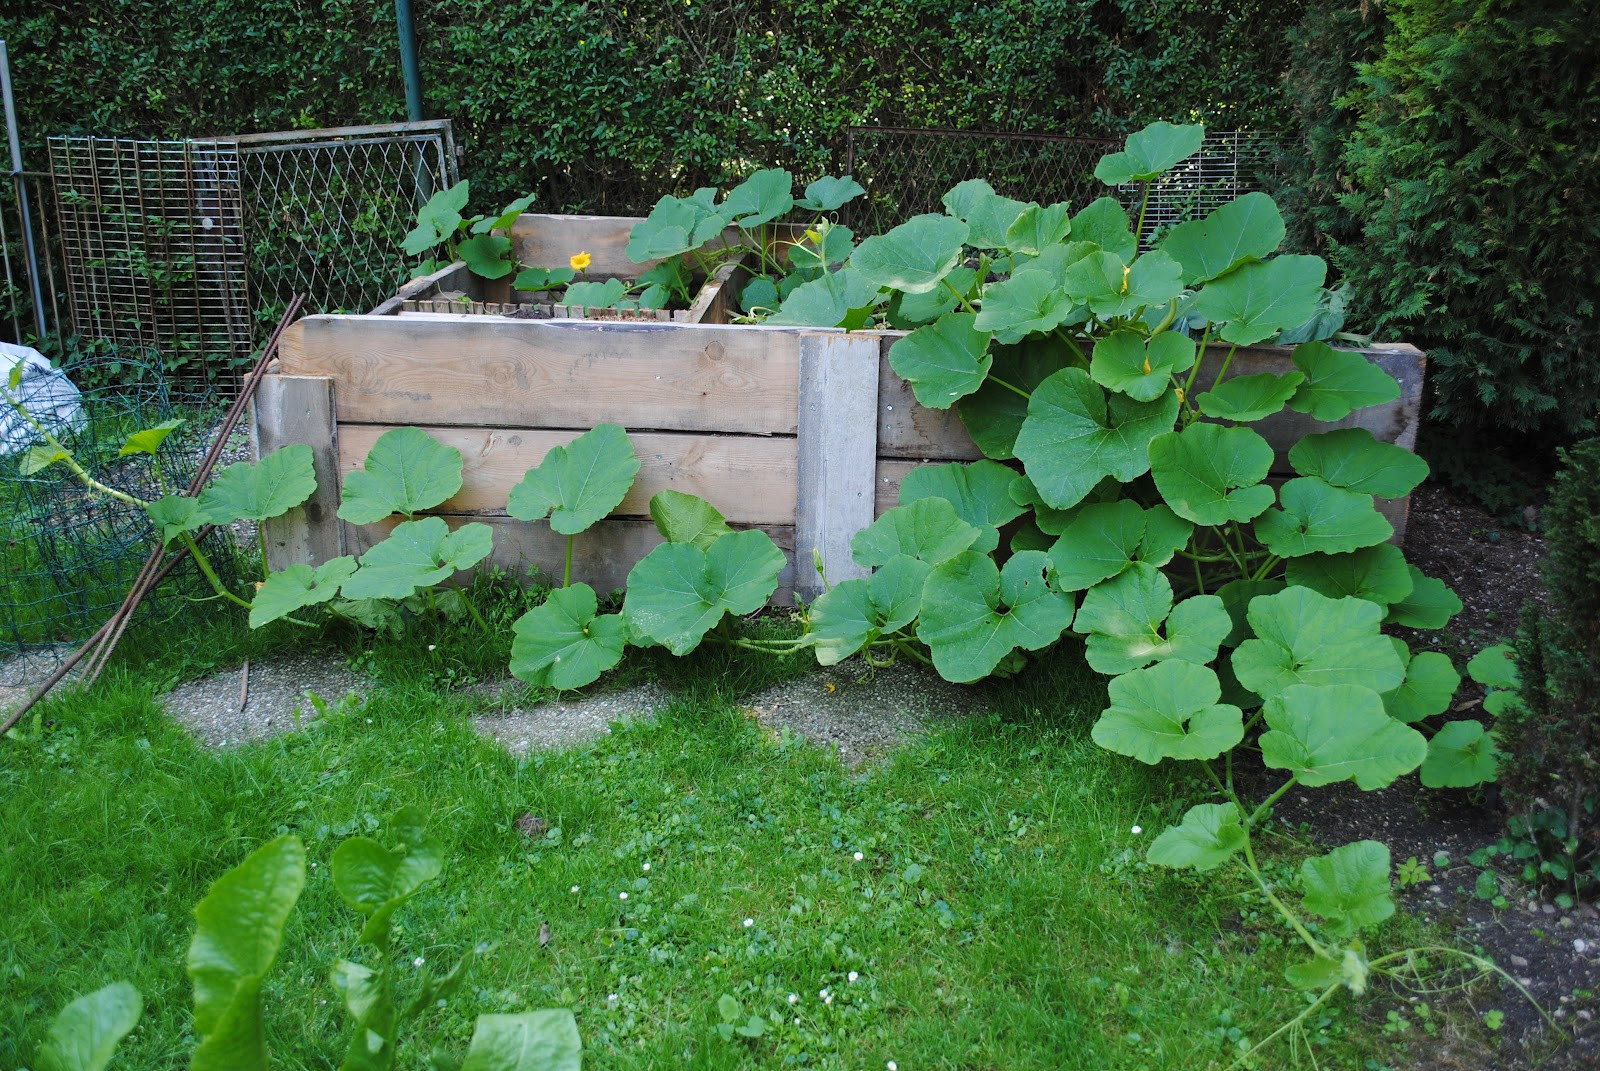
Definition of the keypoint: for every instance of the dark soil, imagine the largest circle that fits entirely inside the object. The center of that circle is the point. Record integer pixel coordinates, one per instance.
(1553, 953)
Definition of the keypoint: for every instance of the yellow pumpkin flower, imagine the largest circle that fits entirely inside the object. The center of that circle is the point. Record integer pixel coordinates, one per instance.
(580, 261)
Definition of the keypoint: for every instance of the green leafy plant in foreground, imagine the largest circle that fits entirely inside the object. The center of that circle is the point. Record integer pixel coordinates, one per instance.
(482, 242)
(239, 929)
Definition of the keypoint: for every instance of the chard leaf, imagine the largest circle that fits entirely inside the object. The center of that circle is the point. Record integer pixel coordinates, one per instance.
(1460, 755)
(1124, 619)
(1317, 517)
(406, 471)
(1208, 836)
(1243, 230)
(943, 362)
(1338, 381)
(298, 586)
(686, 518)
(577, 484)
(418, 554)
(679, 592)
(1245, 399)
(974, 615)
(1074, 436)
(1210, 474)
(527, 1041)
(1430, 605)
(979, 491)
(1349, 887)
(1352, 459)
(238, 931)
(256, 492)
(1169, 711)
(914, 256)
(988, 216)
(1304, 638)
(1338, 733)
(1124, 362)
(927, 528)
(85, 1034)
(1259, 300)
(1150, 152)
(564, 643)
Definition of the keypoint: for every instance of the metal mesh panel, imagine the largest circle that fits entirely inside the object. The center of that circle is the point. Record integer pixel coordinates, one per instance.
(1230, 163)
(906, 171)
(325, 210)
(153, 251)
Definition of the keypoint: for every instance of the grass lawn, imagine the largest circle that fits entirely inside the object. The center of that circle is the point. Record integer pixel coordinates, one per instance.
(977, 900)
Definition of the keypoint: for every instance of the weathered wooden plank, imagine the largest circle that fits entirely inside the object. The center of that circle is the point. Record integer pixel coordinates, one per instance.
(908, 429)
(601, 557)
(448, 278)
(485, 371)
(550, 241)
(751, 479)
(299, 409)
(838, 396)
(891, 471)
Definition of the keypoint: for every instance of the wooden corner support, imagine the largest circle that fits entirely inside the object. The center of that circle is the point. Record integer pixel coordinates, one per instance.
(299, 409)
(837, 454)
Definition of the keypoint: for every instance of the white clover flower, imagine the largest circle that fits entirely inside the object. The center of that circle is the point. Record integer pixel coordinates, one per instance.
(433, 646)
(852, 976)
(859, 857)
(612, 999)
(622, 896)
(794, 998)
(419, 961)
(647, 868)
(892, 1066)
(1137, 830)
(749, 923)
(828, 1000)
(574, 888)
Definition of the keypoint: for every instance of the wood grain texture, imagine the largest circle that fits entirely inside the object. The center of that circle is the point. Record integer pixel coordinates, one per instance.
(299, 409)
(750, 479)
(910, 430)
(448, 278)
(539, 240)
(488, 372)
(601, 557)
(838, 396)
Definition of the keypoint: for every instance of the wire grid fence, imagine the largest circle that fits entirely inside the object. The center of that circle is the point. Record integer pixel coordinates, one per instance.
(1230, 164)
(17, 321)
(68, 554)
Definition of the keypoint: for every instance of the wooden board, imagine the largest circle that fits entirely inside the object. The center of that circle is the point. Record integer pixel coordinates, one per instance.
(601, 557)
(451, 277)
(547, 241)
(299, 409)
(837, 445)
(488, 372)
(750, 479)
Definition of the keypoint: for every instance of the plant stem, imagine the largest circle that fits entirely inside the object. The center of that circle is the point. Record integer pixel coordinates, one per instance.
(1226, 361)
(1013, 389)
(905, 647)
(1072, 344)
(1313, 1006)
(1139, 234)
(1166, 321)
(1266, 567)
(67, 459)
(1267, 803)
(209, 573)
(473, 610)
(1194, 370)
(1266, 890)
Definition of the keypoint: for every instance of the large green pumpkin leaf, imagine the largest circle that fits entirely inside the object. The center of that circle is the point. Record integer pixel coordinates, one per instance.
(1431, 682)
(974, 615)
(1169, 711)
(915, 309)
(686, 518)
(563, 643)
(255, 492)
(1100, 541)
(763, 197)
(406, 471)
(1210, 474)
(944, 361)
(1123, 618)
(238, 931)
(577, 484)
(828, 194)
(1337, 733)
(1460, 755)
(1208, 836)
(914, 256)
(545, 1040)
(1246, 399)
(418, 554)
(1495, 667)
(487, 255)
(1246, 229)
(1156, 149)
(1430, 605)
(1317, 517)
(979, 491)
(1259, 300)
(927, 528)
(149, 440)
(1104, 223)
(994, 415)
(297, 586)
(85, 1034)
(828, 300)
(1304, 638)
(1351, 458)
(1038, 228)
(1377, 573)
(437, 220)
(1028, 303)
(1074, 436)
(1114, 289)
(1123, 361)
(1236, 596)
(377, 881)
(1338, 382)
(1349, 887)
(988, 215)
(175, 514)
(672, 228)
(856, 612)
(678, 592)
(595, 295)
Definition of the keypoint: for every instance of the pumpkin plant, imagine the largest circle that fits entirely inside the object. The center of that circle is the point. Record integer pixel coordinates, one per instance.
(480, 241)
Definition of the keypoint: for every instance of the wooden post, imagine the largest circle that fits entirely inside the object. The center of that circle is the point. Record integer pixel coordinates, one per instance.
(838, 447)
(299, 409)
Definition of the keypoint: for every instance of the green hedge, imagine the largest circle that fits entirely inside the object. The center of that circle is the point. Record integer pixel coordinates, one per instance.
(607, 105)
(1474, 172)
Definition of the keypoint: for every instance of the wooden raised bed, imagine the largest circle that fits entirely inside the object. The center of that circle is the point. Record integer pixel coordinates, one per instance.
(805, 434)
